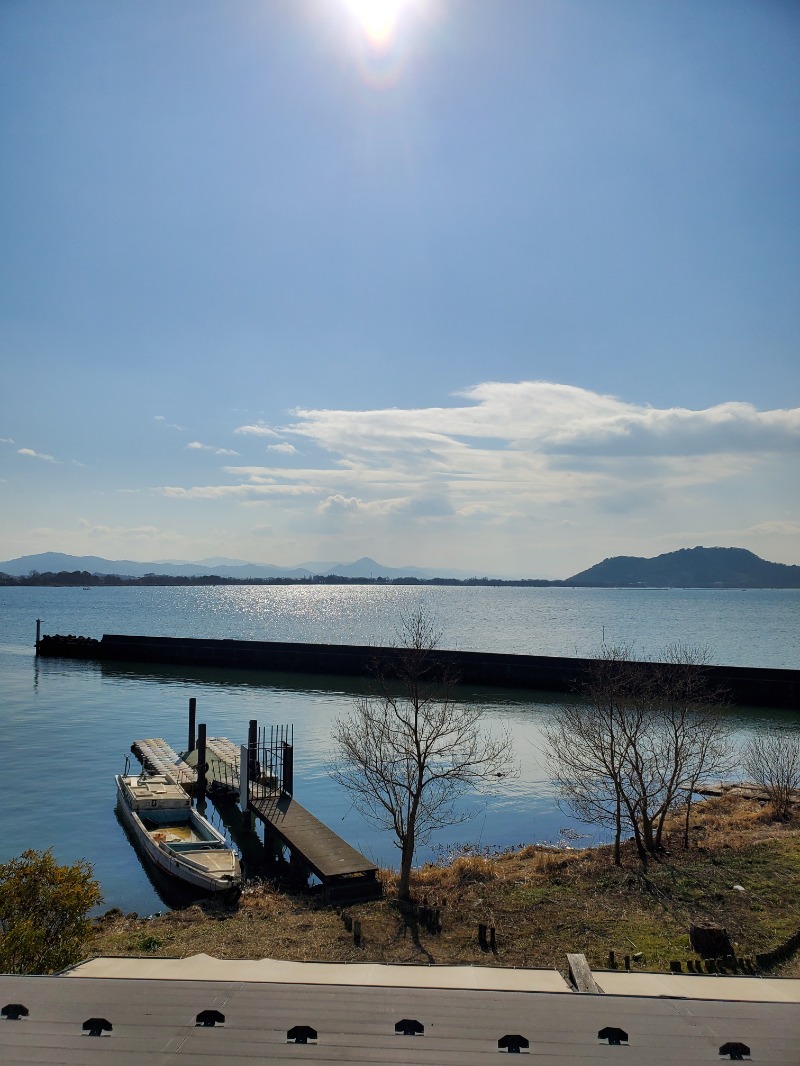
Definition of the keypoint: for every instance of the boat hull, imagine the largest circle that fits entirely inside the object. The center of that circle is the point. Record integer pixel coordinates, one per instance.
(180, 842)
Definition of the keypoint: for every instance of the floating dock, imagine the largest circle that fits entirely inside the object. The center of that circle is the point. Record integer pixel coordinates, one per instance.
(157, 757)
(346, 875)
(222, 756)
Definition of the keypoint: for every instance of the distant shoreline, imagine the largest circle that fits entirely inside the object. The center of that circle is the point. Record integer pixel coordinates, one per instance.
(82, 579)
(687, 568)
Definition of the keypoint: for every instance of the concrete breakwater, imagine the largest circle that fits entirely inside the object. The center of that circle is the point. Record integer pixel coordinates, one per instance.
(745, 686)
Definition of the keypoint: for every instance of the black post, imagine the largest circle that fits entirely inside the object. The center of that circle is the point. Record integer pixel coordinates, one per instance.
(201, 763)
(287, 785)
(192, 720)
(252, 750)
(252, 763)
(38, 633)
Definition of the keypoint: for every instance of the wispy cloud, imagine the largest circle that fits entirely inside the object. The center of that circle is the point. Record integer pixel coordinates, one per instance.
(556, 419)
(739, 535)
(137, 533)
(513, 444)
(245, 491)
(259, 429)
(505, 455)
(30, 453)
(168, 425)
(99, 532)
(195, 445)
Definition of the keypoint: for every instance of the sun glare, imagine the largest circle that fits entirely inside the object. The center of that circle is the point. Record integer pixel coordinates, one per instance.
(378, 18)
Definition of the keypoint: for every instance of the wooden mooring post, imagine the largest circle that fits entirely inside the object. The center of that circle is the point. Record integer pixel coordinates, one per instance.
(202, 765)
(252, 769)
(192, 721)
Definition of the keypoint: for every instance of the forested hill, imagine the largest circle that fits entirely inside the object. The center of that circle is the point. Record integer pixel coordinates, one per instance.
(690, 568)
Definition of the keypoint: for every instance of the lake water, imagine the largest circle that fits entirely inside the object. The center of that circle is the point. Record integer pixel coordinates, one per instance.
(66, 727)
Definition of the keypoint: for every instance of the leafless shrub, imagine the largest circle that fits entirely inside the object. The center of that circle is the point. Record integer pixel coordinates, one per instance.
(772, 760)
(640, 744)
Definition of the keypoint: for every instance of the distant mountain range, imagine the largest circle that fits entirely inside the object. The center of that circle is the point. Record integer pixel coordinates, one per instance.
(690, 568)
(53, 562)
(687, 568)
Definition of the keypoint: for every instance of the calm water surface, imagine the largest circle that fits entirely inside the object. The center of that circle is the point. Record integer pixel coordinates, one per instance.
(66, 727)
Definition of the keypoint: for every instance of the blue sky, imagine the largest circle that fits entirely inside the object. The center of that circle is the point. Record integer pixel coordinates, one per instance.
(507, 286)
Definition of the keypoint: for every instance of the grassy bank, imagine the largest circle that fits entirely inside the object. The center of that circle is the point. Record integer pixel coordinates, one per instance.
(543, 902)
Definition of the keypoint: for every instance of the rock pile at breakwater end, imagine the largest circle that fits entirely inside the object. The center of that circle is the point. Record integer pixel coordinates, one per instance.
(69, 647)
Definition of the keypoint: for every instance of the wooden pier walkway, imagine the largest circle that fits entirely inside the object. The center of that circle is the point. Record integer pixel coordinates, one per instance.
(322, 850)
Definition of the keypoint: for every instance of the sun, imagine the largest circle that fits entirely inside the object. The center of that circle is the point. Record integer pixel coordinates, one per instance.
(378, 18)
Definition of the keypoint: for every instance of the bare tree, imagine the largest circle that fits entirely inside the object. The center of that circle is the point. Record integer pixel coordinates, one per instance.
(587, 748)
(772, 760)
(639, 746)
(408, 752)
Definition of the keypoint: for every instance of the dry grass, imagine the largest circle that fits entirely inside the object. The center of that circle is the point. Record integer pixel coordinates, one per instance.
(542, 901)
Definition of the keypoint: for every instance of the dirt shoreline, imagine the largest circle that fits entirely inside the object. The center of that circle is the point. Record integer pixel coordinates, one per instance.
(741, 871)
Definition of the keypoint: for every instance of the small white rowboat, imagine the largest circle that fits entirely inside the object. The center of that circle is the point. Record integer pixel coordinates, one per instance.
(175, 837)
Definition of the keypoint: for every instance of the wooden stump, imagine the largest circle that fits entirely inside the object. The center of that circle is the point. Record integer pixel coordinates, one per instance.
(709, 940)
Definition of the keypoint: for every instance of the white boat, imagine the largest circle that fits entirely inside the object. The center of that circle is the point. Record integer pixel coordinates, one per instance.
(174, 836)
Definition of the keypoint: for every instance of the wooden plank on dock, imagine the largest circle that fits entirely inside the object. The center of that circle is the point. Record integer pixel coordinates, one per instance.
(323, 851)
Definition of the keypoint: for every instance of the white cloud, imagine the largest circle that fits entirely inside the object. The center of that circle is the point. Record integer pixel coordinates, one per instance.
(556, 419)
(195, 445)
(258, 429)
(339, 503)
(283, 449)
(6, 440)
(506, 462)
(36, 455)
(352, 505)
(247, 491)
